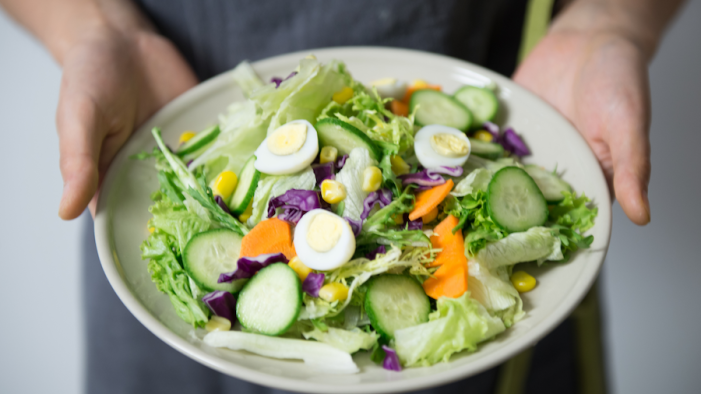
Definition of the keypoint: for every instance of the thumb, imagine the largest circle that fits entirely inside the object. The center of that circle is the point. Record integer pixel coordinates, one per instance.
(79, 141)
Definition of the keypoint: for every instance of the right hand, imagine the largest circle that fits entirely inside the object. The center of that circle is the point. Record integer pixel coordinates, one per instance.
(112, 82)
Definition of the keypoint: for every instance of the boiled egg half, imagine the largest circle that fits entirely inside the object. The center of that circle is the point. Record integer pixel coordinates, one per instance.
(438, 145)
(323, 240)
(289, 149)
(390, 88)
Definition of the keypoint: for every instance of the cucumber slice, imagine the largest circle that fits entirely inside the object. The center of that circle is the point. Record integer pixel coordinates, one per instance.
(481, 102)
(246, 188)
(514, 201)
(487, 150)
(271, 301)
(198, 144)
(393, 302)
(439, 108)
(211, 253)
(345, 137)
(549, 183)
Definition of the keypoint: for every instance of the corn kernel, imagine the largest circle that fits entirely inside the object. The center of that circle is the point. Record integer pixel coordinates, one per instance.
(343, 95)
(328, 154)
(398, 218)
(430, 216)
(399, 166)
(332, 192)
(247, 213)
(186, 136)
(298, 266)
(151, 229)
(218, 323)
(372, 179)
(484, 135)
(523, 282)
(333, 292)
(225, 184)
(419, 84)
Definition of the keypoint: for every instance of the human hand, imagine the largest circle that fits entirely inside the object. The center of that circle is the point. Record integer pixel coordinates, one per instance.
(111, 83)
(599, 81)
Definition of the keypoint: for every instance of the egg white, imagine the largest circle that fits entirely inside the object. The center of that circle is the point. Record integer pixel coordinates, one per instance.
(269, 163)
(390, 88)
(340, 254)
(428, 157)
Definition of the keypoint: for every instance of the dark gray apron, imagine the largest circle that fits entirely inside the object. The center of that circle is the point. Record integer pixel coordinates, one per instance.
(122, 355)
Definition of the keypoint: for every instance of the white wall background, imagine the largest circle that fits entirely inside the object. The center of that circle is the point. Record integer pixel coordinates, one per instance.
(651, 281)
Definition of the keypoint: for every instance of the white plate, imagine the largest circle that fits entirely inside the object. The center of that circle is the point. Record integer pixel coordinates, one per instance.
(120, 223)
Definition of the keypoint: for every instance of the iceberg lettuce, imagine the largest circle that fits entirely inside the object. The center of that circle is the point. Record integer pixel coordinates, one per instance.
(246, 77)
(494, 290)
(351, 176)
(536, 244)
(457, 324)
(474, 181)
(349, 341)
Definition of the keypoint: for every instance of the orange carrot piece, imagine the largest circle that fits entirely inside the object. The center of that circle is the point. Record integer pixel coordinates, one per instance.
(269, 236)
(411, 89)
(452, 245)
(429, 199)
(399, 108)
(450, 280)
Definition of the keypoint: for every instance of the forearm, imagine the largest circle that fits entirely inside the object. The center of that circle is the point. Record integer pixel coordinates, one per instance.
(642, 22)
(60, 24)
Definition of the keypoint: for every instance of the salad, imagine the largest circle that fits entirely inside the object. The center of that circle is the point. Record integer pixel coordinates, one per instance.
(322, 217)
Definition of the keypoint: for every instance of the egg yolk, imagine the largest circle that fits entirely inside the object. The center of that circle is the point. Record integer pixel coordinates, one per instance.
(324, 232)
(449, 145)
(287, 139)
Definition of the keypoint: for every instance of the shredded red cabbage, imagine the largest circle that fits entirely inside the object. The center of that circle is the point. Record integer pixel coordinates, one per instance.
(341, 161)
(323, 172)
(222, 204)
(277, 80)
(430, 177)
(295, 203)
(391, 361)
(221, 303)
(372, 255)
(493, 129)
(356, 225)
(513, 143)
(247, 266)
(382, 197)
(313, 283)
(417, 224)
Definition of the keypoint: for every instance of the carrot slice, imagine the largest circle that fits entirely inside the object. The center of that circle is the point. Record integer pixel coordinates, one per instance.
(399, 108)
(452, 245)
(429, 199)
(450, 280)
(411, 89)
(269, 236)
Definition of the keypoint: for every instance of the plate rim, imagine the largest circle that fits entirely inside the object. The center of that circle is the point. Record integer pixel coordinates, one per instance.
(112, 267)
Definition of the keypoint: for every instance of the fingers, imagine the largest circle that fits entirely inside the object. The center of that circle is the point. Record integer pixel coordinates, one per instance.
(77, 122)
(631, 174)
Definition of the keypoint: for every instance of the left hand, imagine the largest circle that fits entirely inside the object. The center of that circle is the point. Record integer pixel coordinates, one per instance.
(599, 81)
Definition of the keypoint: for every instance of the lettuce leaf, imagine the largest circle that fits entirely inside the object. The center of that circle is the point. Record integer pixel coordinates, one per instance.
(177, 221)
(477, 180)
(494, 290)
(246, 77)
(457, 324)
(273, 186)
(535, 244)
(349, 341)
(169, 277)
(472, 209)
(351, 176)
(570, 218)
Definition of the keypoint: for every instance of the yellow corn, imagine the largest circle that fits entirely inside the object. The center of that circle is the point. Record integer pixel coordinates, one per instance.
(419, 83)
(523, 282)
(333, 292)
(430, 216)
(298, 266)
(328, 154)
(247, 213)
(186, 136)
(332, 192)
(218, 323)
(149, 226)
(398, 218)
(484, 135)
(225, 184)
(399, 166)
(343, 95)
(372, 179)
